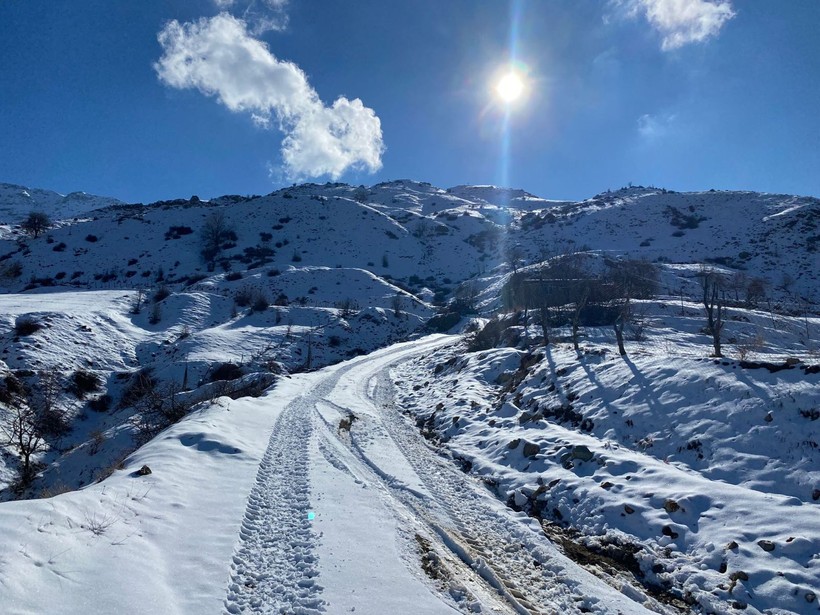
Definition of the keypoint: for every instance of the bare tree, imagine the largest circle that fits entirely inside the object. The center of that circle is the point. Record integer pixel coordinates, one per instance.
(213, 234)
(23, 433)
(515, 255)
(347, 308)
(714, 303)
(33, 413)
(578, 304)
(395, 303)
(36, 223)
(624, 315)
(545, 319)
(465, 298)
(755, 291)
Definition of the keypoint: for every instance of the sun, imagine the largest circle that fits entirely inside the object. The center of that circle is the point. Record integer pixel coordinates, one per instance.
(510, 87)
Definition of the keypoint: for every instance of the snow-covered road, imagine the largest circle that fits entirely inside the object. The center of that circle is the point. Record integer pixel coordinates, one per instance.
(374, 520)
(267, 506)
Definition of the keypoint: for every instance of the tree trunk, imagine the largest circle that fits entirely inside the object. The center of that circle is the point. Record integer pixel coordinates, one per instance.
(619, 335)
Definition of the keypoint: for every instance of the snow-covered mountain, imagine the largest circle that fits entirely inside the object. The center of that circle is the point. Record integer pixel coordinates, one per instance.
(134, 317)
(16, 202)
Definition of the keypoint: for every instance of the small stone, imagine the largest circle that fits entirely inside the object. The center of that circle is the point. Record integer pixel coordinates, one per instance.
(628, 509)
(514, 444)
(722, 568)
(740, 605)
(768, 418)
(739, 575)
(668, 531)
(606, 485)
(731, 546)
(143, 471)
(531, 449)
(815, 495)
(811, 597)
(766, 545)
(671, 506)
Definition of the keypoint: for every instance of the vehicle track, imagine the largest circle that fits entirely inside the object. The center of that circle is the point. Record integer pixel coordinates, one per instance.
(274, 568)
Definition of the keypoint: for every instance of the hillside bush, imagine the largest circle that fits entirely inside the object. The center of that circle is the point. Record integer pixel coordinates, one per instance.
(101, 403)
(226, 371)
(161, 293)
(139, 385)
(243, 296)
(260, 301)
(497, 332)
(26, 325)
(11, 270)
(83, 382)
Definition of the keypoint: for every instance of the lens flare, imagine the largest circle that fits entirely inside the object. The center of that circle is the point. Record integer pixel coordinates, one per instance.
(510, 87)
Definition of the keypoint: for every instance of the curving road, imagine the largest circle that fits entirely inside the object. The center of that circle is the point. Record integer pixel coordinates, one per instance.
(374, 520)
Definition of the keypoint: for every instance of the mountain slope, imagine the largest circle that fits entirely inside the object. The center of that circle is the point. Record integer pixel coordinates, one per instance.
(123, 322)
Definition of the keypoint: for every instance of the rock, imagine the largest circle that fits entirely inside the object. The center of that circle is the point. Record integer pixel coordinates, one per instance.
(628, 509)
(671, 506)
(731, 546)
(143, 471)
(768, 418)
(581, 453)
(531, 449)
(811, 597)
(514, 444)
(766, 545)
(790, 361)
(668, 531)
(606, 485)
(739, 575)
(815, 495)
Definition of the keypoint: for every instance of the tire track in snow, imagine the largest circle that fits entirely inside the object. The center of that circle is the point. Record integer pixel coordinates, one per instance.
(274, 567)
(520, 563)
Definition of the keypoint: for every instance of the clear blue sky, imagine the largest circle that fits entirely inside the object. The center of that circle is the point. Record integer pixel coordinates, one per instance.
(149, 99)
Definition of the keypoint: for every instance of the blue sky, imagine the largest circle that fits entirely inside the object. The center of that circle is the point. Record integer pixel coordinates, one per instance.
(150, 100)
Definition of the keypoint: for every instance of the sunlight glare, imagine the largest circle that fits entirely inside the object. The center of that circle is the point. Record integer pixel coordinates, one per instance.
(510, 87)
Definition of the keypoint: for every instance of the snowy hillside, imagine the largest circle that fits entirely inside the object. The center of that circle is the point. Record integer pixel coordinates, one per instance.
(521, 464)
(16, 202)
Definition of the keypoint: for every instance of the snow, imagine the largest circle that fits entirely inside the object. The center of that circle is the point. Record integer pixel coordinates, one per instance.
(158, 543)
(743, 479)
(16, 202)
(388, 471)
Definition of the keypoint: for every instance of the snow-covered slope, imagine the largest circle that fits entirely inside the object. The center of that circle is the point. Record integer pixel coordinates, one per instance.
(18, 201)
(119, 322)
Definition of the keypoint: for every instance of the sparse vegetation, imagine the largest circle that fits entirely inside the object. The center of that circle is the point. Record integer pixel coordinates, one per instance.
(36, 223)
(84, 382)
(26, 325)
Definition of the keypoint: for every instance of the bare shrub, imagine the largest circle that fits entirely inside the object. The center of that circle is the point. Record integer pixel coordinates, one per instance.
(84, 382)
(101, 403)
(26, 325)
(226, 371)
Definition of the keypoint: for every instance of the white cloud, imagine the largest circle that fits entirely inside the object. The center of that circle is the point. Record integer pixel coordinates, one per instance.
(220, 58)
(260, 15)
(655, 127)
(681, 22)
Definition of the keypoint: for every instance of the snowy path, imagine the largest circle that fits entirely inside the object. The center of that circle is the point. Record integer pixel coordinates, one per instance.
(388, 509)
(274, 566)
(266, 506)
